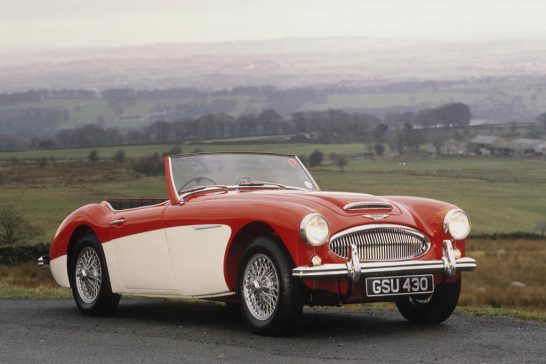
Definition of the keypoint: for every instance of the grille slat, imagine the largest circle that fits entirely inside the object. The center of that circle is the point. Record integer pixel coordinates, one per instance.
(379, 243)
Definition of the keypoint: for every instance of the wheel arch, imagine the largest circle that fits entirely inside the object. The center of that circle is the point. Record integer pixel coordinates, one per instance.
(240, 241)
(76, 234)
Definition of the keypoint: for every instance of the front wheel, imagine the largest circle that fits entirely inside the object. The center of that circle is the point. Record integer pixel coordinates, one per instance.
(270, 298)
(434, 309)
(89, 278)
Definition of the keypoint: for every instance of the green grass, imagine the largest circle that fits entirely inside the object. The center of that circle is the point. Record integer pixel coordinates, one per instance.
(503, 312)
(501, 195)
(135, 151)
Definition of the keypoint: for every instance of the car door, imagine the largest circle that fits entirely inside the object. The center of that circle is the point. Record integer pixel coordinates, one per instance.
(141, 251)
(197, 248)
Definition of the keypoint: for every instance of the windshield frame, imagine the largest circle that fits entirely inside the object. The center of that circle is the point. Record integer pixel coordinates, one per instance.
(175, 197)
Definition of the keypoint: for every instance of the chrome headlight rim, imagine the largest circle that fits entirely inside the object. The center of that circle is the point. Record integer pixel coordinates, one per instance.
(447, 219)
(303, 229)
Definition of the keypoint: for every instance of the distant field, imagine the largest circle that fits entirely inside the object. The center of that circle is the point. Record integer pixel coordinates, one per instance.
(501, 195)
(134, 151)
(478, 93)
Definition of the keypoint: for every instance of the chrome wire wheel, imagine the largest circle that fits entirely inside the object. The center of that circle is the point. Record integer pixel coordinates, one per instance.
(261, 287)
(88, 275)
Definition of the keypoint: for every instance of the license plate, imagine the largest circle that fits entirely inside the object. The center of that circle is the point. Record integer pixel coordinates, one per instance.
(399, 285)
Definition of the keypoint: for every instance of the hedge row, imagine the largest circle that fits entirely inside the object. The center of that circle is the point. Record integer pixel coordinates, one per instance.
(513, 235)
(21, 254)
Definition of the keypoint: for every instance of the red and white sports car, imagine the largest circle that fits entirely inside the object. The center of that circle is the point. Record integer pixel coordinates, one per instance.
(256, 229)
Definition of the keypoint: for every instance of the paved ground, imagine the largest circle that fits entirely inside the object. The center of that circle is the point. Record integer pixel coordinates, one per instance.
(159, 331)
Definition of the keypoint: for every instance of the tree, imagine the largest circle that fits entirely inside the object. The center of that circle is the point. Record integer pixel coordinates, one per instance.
(341, 161)
(14, 227)
(379, 149)
(119, 157)
(93, 156)
(148, 166)
(315, 158)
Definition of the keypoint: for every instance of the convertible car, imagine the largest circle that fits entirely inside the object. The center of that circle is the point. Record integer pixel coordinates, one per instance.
(256, 230)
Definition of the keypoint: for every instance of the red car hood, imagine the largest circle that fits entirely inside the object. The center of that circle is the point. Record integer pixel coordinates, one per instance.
(334, 201)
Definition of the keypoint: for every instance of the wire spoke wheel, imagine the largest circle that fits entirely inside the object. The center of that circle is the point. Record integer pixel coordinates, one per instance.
(88, 275)
(261, 287)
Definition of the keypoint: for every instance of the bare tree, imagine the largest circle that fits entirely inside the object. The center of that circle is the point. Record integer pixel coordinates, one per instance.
(341, 161)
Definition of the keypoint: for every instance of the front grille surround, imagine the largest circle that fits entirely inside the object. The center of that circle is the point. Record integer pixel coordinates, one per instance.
(380, 242)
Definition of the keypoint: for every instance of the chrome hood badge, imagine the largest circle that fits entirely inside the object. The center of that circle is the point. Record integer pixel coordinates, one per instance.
(376, 216)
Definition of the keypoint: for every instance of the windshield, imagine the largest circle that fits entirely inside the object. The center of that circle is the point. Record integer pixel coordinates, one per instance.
(238, 169)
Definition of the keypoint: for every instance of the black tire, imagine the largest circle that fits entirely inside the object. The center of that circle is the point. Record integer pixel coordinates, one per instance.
(435, 310)
(103, 303)
(290, 290)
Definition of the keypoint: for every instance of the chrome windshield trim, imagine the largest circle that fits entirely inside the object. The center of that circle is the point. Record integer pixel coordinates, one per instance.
(205, 189)
(311, 179)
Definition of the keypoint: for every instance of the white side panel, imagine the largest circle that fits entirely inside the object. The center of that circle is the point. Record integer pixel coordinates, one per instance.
(59, 271)
(197, 256)
(113, 271)
(143, 261)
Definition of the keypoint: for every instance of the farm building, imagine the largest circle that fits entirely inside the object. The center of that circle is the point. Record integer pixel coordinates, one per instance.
(493, 145)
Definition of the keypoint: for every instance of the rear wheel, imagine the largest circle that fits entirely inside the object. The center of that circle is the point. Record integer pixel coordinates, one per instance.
(89, 278)
(434, 309)
(270, 299)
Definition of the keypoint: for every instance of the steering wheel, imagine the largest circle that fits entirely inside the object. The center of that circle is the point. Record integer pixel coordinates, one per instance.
(197, 180)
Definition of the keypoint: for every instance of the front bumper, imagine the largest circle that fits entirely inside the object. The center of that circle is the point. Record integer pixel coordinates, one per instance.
(354, 269)
(43, 261)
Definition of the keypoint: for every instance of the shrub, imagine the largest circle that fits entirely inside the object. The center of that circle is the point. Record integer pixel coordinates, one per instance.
(14, 227)
(148, 166)
(10, 255)
(315, 158)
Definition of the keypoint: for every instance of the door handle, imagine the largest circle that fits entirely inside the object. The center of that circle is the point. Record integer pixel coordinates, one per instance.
(118, 222)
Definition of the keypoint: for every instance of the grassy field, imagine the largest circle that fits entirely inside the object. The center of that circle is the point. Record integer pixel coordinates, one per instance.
(501, 195)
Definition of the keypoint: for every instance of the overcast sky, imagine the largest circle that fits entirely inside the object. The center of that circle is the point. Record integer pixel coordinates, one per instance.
(91, 23)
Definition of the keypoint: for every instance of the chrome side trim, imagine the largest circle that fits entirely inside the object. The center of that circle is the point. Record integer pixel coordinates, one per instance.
(205, 226)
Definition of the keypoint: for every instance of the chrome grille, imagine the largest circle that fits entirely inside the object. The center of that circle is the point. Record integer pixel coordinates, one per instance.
(380, 242)
(367, 206)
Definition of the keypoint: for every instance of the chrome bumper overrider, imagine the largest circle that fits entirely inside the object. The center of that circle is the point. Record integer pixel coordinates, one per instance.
(354, 269)
(43, 261)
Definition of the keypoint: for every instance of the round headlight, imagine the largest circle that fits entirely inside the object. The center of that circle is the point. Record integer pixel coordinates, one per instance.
(457, 224)
(314, 229)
